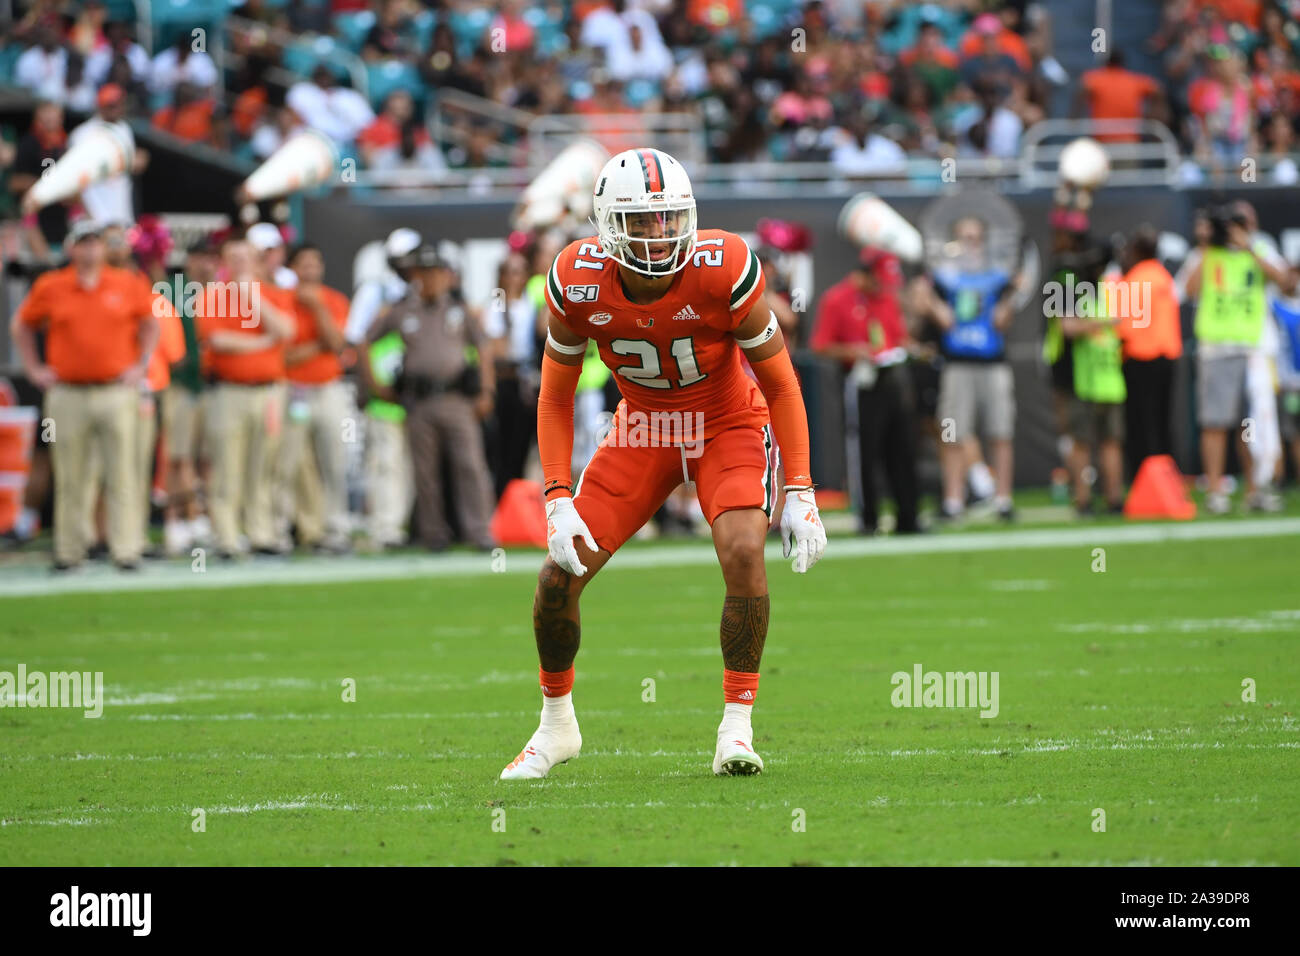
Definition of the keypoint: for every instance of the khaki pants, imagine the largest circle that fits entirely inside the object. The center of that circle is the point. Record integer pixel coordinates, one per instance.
(182, 422)
(102, 420)
(244, 428)
(146, 444)
(313, 485)
(390, 490)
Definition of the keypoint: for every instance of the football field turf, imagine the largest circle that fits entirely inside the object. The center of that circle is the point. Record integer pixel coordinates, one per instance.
(1119, 691)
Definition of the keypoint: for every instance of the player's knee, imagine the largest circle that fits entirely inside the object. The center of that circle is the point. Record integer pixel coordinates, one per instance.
(741, 557)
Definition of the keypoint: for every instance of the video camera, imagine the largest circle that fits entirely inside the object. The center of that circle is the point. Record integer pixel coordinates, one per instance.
(1219, 218)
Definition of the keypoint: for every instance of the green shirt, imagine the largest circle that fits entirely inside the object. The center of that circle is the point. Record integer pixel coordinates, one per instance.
(1098, 374)
(1232, 306)
(385, 363)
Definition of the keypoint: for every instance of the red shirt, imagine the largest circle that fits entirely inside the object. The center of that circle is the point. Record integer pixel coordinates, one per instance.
(847, 315)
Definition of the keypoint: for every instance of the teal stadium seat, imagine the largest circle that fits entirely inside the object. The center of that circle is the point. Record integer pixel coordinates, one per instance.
(640, 91)
(9, 55)
(392, 75)
(422, 25)
(173, 18)
(196, 12)
(301, 58)
(769, 16)
(352, 27)
(120, 10)
(469, 28)
(549, 31)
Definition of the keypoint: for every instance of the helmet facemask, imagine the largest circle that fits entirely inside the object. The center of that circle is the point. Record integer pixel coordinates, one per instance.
(655, 242)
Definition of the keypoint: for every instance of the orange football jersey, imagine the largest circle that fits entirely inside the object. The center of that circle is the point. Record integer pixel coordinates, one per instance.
(677, 354)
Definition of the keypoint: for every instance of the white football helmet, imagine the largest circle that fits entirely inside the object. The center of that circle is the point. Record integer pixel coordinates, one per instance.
(644, 212)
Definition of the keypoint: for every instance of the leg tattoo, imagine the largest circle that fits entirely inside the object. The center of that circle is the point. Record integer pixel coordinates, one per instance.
(744, 630)
(555, 620)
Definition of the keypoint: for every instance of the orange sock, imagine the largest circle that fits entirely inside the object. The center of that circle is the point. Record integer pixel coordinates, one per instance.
(739, 687)
(558, 683)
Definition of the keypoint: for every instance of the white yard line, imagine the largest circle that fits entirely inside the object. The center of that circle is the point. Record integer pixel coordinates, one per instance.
(29, 580)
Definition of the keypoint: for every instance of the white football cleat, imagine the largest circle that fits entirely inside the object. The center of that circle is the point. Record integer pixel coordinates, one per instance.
(545, 749)
(735, 757)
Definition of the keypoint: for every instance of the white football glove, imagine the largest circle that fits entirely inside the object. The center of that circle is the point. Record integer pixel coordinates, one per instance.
(563, 524)
(802, 529)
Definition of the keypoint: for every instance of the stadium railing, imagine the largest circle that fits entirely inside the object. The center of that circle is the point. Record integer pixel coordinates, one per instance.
(1142, 152)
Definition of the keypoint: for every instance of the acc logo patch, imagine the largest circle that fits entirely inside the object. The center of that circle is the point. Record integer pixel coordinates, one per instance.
(582, 293)
(600, 318)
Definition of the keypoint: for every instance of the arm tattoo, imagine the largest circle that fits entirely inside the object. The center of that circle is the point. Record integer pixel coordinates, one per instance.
(744, 630)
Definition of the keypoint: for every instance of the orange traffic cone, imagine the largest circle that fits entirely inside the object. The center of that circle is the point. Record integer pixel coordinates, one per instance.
(520, 517)
(1159, 492)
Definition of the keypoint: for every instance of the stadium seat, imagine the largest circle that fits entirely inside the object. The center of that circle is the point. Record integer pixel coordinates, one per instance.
(768, 16)
(353, 27)
(468, 27)
(549, 31)
(302, 57)
(120, 10)
(173, 18)
(8, 60)
(392, 75)
(197, 12)
(422, 27)
(638, 92)
(551, 40)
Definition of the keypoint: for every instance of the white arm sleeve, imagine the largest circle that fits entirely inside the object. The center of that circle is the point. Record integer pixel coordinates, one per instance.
(365, 306)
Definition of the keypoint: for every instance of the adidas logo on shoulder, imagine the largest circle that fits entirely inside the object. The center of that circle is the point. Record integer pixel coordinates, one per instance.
(686, 314)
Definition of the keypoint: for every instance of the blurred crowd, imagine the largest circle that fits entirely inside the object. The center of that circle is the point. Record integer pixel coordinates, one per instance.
(858, 85)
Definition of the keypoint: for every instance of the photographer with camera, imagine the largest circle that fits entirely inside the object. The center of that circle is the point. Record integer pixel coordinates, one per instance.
(1228, 282)
(446, 391)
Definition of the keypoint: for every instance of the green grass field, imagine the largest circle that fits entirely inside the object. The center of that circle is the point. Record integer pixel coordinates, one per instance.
(1119, 691)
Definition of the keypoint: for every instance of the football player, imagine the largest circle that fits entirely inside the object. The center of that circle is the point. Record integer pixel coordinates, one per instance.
(670, 310)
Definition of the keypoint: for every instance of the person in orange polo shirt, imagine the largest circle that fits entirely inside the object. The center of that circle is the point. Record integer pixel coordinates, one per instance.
(100, 335)
(244, 322)
(1153, 342)
(171, 348)
(319, 410)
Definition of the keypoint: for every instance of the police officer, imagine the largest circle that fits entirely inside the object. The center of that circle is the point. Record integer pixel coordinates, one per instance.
(446, 392)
